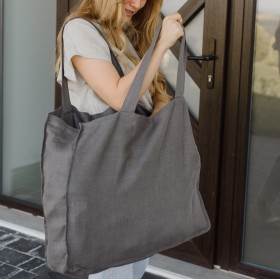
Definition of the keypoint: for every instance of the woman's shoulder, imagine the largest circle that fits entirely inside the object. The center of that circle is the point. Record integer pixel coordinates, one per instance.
(82, 39)
(81, 22)
(82, 25)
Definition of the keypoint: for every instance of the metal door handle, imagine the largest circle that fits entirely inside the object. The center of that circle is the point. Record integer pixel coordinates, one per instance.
(211, 49)
(202, 58)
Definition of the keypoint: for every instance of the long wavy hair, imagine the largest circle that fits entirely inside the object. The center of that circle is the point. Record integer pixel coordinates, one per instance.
(110, 14)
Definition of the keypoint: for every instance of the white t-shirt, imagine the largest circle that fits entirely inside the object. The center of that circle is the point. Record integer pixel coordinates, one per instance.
(81, 38)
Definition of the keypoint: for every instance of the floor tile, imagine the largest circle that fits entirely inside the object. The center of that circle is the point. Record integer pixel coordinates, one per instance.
(23, 275)
(40, 252)
(32, 264)
(23, 245)
(7, 230)
(22, 235)
(7, 238)
(7, 271)
(12, 257)
(45, 273)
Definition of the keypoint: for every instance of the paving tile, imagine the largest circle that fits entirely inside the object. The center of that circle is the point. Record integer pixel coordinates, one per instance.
(7, 238)
(31, 264)
(7, 271)
(40, 270)
(22, 235)
(23, 245)
(7, 230)
(45, 273)
(12, 257)
(40, 252)
(23, 275)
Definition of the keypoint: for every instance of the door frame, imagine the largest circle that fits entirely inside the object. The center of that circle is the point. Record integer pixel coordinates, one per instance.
(1, 88)
(62, 11)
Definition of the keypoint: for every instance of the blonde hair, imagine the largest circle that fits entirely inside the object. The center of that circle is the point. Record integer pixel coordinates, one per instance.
(110, 14)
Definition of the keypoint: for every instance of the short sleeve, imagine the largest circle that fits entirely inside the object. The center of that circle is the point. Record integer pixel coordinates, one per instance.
(81, 38)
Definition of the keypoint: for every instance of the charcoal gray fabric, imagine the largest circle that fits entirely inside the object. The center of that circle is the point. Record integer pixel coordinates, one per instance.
(121, 186)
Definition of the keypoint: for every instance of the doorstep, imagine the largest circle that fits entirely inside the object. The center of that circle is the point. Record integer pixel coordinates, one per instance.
(159, 265)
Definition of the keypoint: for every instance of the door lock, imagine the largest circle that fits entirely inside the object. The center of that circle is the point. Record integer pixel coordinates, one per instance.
(211, 62)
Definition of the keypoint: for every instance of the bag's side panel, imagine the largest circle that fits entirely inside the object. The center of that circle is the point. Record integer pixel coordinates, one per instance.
(199, 218)
(59, 140)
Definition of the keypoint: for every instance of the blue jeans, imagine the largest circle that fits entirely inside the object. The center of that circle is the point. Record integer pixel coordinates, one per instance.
(129, 271)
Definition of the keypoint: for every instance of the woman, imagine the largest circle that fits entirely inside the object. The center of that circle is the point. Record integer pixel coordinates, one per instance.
(94, 83)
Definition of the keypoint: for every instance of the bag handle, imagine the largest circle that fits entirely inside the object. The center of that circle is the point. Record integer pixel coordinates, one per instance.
(66, 103)
(131, 99)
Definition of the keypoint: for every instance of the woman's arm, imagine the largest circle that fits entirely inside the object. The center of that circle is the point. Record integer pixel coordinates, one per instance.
(103, 78)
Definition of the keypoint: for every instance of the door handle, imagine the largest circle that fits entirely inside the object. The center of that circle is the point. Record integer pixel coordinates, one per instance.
(202, 58)
(211, 57)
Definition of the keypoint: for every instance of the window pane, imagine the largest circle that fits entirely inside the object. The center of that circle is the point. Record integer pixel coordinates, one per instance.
(194, 33)
(262, 216)
(170, 6)
(28, 92)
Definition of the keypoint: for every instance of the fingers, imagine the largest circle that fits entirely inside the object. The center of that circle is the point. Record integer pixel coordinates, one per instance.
(178, 19)
(172, 29)
(176, 16)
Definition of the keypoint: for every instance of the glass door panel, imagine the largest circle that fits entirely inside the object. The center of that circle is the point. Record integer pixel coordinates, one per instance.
(170, 7)
(261, 241)
(29, 35)
(194, 33)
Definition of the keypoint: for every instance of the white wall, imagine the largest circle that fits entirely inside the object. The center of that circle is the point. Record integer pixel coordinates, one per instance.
(29, 80)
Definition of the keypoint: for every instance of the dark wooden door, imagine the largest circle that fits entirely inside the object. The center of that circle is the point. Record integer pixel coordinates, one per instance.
(210, 17)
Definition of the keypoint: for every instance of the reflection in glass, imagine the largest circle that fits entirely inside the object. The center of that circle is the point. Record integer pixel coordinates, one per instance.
(262, 224)
(28, 89)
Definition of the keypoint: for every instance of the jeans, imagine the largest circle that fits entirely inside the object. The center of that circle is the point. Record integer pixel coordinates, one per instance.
(129, 271)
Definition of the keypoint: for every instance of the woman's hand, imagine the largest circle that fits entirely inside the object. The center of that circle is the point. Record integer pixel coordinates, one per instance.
(171, 30)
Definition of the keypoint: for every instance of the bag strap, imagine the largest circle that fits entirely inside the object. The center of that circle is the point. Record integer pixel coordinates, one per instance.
(66, 103)
(183, 58)
(131, 100)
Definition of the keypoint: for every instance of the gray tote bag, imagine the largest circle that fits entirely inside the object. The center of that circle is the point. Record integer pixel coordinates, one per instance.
(118, 187)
